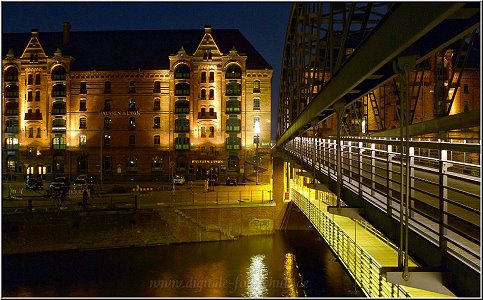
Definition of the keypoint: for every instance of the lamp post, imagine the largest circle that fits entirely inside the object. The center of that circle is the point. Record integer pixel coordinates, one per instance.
(257, 141)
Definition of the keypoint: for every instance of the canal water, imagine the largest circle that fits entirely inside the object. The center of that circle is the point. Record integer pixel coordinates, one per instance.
(285, 264)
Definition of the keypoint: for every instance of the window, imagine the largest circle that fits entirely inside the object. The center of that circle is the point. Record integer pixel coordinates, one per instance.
(156, 164)
(29, 79)
(233, 106)
(31, 132)
(83, 87)
(203, 77)
(182, 89)
(11, 91)
(107, 105)
(232, 162)
(132, 87)
(233, 89)
(107, 123)
(58, 142)
(132, 105)
(157, 122)
(182, 107)
(83, 122)
(203, 94)
(132, 122)
(132, 140)
(233, 72)
(233, 142)
(107, 163)
(181, 124)
(107, 139)
(212, 111)
(157, 87)
(82, 163)
(256, 104)
(233, 124)
(157, 140)
(37, 79)
(203, 131)
(82, 140)
(182, 72)
(209, 54)
(37, 95)
(465, 88)
(212, 94)
(83, 105)
(212, 76)
(58, 73)
(182, 142)
(256, 122)
(132, 163)
(256, 86)
(29, 96)
(11, 74)
(157, 104)
(107, 87)
(39, 133)
(212, 131)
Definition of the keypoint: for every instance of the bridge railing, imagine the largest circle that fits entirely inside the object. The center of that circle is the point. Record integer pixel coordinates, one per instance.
(362, 267)
(444, 184)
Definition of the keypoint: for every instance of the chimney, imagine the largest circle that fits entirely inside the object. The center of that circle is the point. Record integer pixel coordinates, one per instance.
(66, 34)
(207, 28)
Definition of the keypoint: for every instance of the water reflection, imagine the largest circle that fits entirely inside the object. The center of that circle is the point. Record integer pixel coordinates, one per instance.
(257, 275)
(286, 264)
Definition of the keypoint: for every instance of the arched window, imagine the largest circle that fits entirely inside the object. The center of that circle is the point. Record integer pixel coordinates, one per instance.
(58, 73)
(181, 124)
(83, 104)
(212, 76)
(11, 91)
(29, 96)
(59, 108)
(203, 94)
(203, 77)
(132, 105)
(233, 124)
(37, 95)
(157, 104)
(182, 72)
(182, 89)
(11, 74)
(59, 90)
(157, 122)
(182, 107)
(233, 72)
(233, 89)
(83, 122)
(212, 94)
(131, 163)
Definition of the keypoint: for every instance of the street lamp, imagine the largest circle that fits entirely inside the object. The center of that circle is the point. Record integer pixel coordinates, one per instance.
(257, 141)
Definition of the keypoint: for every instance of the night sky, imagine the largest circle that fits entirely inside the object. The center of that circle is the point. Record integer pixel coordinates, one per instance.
(262, 23)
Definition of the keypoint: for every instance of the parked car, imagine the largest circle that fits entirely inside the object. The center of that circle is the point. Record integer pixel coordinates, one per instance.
(83, 182)
(34, 184)
(60, 183)
(231, 181)
(212, 179)
(178, 179)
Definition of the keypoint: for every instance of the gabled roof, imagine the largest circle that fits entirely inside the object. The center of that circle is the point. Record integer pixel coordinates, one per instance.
(132, 49)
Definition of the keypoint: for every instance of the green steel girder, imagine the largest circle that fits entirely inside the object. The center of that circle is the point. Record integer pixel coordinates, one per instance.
(379, 49)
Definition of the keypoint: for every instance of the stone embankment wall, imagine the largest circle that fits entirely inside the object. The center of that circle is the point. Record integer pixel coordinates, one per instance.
(40, 232)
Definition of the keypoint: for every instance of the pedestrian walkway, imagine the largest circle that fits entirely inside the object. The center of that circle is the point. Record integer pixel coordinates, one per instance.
(378, 250)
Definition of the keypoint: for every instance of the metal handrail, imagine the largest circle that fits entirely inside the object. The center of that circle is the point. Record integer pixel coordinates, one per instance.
(371, 168)
(364, 269)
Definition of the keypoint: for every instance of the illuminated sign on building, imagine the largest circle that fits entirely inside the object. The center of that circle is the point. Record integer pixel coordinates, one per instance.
(206, 161)
(120, 113)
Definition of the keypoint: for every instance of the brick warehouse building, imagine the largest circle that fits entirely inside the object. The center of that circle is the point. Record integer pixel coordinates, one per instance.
(128, 105)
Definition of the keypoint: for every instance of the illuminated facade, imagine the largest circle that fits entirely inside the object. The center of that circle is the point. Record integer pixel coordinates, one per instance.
(134, 104)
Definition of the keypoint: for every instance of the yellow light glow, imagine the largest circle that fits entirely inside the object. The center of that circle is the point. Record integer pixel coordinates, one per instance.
(257, 275)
